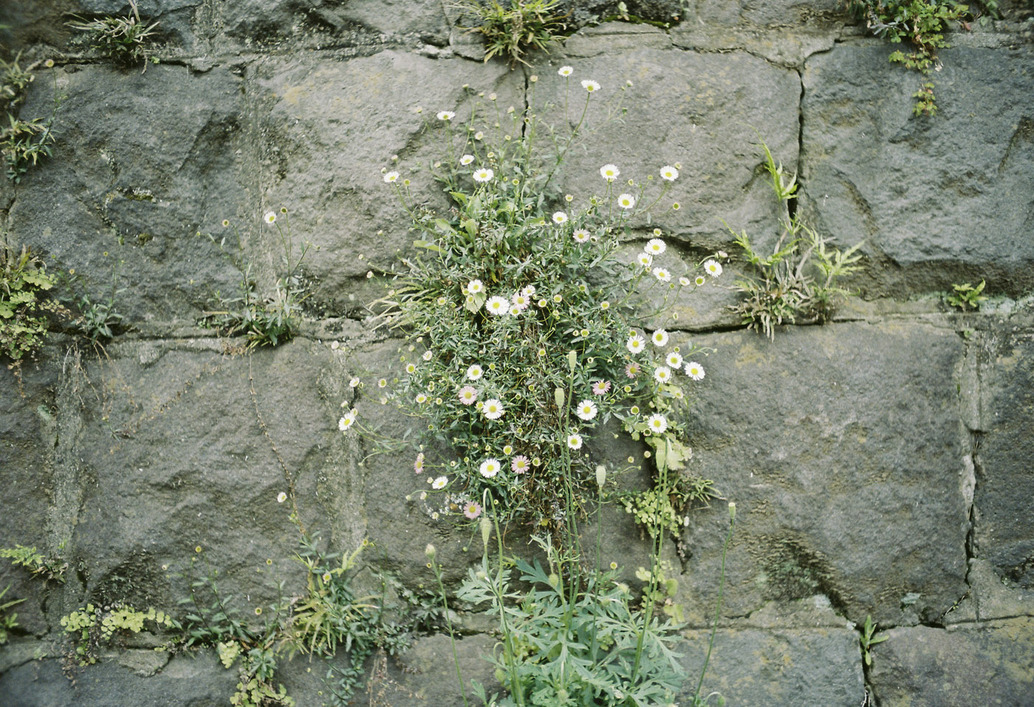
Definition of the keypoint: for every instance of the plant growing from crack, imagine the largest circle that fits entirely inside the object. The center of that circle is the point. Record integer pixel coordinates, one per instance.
(798, 280)
(922, 24)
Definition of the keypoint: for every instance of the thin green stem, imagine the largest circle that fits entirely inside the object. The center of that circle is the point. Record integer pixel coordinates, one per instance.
(717, 612)
(448, 622)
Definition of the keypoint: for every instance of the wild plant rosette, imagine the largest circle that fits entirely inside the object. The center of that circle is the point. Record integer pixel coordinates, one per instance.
(521, 312)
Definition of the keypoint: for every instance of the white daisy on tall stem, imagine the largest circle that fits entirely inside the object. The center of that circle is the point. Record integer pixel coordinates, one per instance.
(586, 410)
(493, 409)
(659, 337)
(497, 305)
(669, 173)
(657, 423)
(446, 115)
(565, 71)
(694, 370)
(626, 201)
(713, 268)
(483, 175)
(489, 468)
(655, 246)
(609, 172)
(590, 86)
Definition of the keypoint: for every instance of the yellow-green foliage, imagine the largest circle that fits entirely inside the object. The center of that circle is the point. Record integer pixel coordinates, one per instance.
(98, 626)
(24, 303)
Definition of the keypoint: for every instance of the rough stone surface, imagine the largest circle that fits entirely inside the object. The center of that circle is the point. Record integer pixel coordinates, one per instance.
(147, 162)
(922, 666)
(1005, 459)
(849, 440)
(329, 132)
(931, 209)
(880, 464)
(814, 668)
(200, 681)
(676, 111)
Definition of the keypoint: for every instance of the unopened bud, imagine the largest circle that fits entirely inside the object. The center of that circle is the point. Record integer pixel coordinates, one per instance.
(732, 510)
(601, 475)
(429, 550)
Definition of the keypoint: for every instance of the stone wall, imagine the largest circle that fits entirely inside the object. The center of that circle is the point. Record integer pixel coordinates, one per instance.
(882, 464)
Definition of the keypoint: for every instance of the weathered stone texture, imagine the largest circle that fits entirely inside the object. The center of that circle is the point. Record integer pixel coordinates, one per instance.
(929, 667)
(145, 162)
(828, 439)
(810, 668)
(1005, 460)
(676, 110)
(936, 199)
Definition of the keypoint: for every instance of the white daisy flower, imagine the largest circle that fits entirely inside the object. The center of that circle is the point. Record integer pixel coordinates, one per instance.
(281, 497)
(684, 281)
(609, 172)
(468, 395)
(565, 71)
(410, 368)
(493, 409)
(655, 246)
(662, 374)
(479, 136)
(529, 290)
(580, 235)
(521, 301)
(497, 305)
(474, 286)
(661, 274)
(489, 468)
(674, 359)
(483, 175)
(626, 201)
(574, 441)
(439, 483)
(347, 421)
(474, 372)
(427, 355)
(515, 311)
(713, 268)
(421, 399)
(657, 423)
(669, 173)
(354, 383)
(586, 410)
(446, 115)
(645, 259)
(590, 86)
(269, 218)
(635, 343)
(699, 280)
(391, 177)
(466, 159)
(559, 217)
(659, 337)
(694, 370)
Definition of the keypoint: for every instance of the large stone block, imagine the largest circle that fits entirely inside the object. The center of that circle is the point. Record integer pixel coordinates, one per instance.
(937, 199)
(986, 664)
(183, 680)
(809, 668)
(660, 106)
(843, 448)
(328, 131)
(1005, 458)
(142, 163)
(182, 446)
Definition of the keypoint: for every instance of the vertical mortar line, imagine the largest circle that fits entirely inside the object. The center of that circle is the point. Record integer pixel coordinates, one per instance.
(63, 458)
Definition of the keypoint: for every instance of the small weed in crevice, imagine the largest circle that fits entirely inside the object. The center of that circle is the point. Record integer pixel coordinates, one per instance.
(8, 620)
(798, 280)
(125, 40)
(868, 638)
(966, 296)
(22, 142)
(39, 565)
(25, 303)
(263, 321)
(512, 28)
